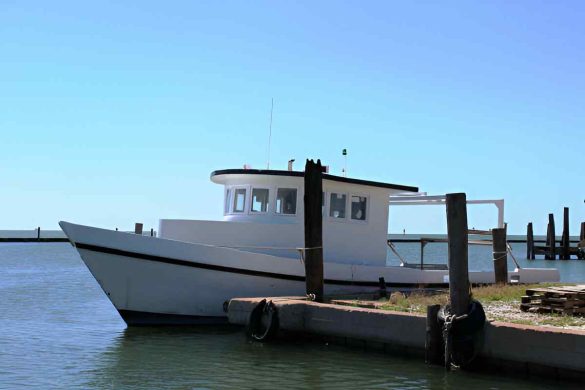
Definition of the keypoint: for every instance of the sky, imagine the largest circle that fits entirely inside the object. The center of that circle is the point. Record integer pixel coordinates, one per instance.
(116, 113)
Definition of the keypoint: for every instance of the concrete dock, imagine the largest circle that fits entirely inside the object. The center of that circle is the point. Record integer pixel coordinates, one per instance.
(516, 349)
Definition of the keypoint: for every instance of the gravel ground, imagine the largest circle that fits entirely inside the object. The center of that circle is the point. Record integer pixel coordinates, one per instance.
(510, 312)
(498, 311)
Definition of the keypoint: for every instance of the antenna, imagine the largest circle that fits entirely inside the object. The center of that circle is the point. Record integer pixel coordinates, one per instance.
(270, 133)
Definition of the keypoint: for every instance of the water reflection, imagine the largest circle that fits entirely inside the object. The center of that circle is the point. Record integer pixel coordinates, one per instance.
(202, 358)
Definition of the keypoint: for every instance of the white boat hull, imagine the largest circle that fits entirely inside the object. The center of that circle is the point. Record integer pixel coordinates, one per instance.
(159, 281)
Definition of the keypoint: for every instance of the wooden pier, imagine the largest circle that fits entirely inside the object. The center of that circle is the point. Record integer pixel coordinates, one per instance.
(550, 250)
(47, 236)
(34, 236)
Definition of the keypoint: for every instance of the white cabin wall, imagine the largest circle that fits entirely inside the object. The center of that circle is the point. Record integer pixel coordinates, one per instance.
(349, 241)
(232, 234)
(344, 240)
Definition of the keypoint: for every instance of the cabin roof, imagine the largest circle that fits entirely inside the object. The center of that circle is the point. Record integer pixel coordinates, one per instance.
(326, 176)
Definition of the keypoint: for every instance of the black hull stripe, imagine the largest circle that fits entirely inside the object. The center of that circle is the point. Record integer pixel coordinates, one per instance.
(243, 271)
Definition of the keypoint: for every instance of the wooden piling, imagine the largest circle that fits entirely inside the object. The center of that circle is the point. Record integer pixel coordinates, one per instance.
(565, 241)
(314, 229)
(582, 235)
(382, 288)
(551, 238)
(458, 261)
(500, 255)
(151, 232)
(38, 233)
(138, 228)
(434, 339)
(529, 242)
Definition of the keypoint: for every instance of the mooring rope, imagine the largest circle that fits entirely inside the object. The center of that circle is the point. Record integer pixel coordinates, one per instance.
(512, 254)
(393, 249)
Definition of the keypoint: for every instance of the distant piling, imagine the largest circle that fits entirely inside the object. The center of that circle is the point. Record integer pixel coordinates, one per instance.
(551, 238)
(565, 242)
(530, 255)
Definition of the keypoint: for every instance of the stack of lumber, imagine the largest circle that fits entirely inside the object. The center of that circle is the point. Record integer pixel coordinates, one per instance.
(560, 300)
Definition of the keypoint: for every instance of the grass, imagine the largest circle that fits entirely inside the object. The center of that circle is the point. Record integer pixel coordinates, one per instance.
(501, 304)
(417, 301)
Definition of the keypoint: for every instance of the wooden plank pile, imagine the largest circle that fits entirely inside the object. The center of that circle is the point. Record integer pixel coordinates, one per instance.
(560, 300)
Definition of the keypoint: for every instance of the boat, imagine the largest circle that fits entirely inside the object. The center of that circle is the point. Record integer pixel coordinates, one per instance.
(189, 271)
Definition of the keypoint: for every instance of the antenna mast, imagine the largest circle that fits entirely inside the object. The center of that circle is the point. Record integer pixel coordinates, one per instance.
(270, 133)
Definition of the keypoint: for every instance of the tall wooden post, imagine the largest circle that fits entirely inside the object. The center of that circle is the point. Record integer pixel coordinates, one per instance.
(582, 235)
(529, 242)
(458, 240)
(551, 238)
(314, 229)
(138, 228)
(500, 255)
(566, 241)
(38, 233)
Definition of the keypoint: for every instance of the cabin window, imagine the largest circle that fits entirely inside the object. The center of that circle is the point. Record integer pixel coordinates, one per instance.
(259, 200)
(337, 205)
(286, 201)
(227, 200)
(358, 207)
(239, 200)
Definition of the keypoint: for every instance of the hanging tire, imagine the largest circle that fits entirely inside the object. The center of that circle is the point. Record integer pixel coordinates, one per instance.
(263, 324)
(466, 335)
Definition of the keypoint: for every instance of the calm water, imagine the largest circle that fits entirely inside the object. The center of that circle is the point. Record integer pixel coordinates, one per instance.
(58, 330)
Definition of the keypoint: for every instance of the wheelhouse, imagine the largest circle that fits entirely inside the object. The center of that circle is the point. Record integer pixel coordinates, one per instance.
(355, 212)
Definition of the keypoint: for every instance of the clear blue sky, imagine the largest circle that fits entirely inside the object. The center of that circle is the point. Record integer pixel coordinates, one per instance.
(111, 113)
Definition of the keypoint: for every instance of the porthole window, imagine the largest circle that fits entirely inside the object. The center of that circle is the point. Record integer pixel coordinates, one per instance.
(337, 205)
(239, 200)
(358, 207)
(259, 200)
(286, 201)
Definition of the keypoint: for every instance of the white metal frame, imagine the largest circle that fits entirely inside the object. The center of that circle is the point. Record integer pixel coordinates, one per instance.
(432, 200)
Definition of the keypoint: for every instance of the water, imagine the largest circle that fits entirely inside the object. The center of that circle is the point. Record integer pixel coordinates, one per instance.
(480, 259)
(59, 331)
